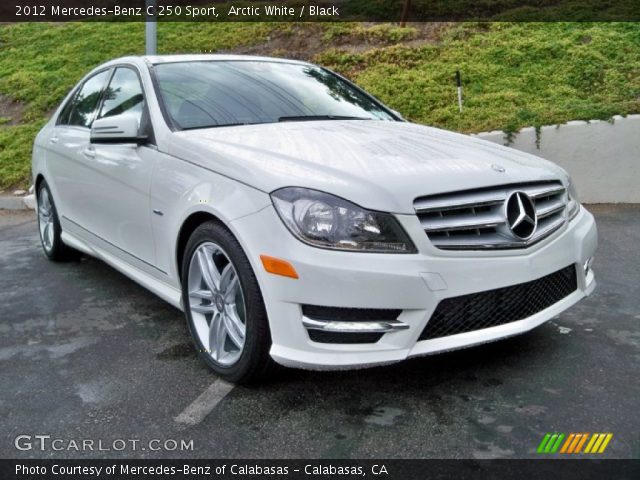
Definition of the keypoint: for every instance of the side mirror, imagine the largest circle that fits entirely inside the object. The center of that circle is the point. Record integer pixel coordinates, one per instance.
(117, 129)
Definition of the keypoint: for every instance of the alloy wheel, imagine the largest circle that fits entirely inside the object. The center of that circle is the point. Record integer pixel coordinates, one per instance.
(45, 220)
(216, 303)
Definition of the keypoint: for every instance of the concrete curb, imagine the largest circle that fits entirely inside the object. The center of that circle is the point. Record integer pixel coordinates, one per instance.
(28, 202)
(12, 203)
(20, 200)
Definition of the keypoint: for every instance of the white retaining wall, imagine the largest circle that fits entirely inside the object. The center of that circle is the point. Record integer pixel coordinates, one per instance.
(602, 157)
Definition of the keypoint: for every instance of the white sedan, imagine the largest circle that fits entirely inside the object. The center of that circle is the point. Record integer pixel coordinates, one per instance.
(297, 220)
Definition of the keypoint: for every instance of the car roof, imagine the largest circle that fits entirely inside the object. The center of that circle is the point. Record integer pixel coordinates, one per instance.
(147, 60)
(158, 59)
(142, 60)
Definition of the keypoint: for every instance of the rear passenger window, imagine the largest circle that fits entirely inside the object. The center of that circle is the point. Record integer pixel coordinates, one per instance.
(82, 110)
(63, 118)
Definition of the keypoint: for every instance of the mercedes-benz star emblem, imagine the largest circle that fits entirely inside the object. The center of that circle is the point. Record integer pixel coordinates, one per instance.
(497, 168)
(218, 301)
(521, 215)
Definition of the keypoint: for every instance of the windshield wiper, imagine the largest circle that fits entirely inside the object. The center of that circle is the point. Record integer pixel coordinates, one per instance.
(304, 118)
(217, 125)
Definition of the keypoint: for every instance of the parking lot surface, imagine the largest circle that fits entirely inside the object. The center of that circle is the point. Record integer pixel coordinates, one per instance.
(87, 354)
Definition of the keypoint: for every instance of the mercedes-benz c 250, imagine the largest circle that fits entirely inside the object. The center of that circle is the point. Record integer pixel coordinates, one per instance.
(297, 220)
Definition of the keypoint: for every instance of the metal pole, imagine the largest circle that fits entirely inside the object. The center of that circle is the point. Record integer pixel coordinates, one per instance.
(151, 29)
(405, 13)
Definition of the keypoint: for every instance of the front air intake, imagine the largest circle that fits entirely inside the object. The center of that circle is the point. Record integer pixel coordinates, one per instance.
(491, 308)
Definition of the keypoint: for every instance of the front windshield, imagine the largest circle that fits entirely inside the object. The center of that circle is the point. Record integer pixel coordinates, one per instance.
(204, 94)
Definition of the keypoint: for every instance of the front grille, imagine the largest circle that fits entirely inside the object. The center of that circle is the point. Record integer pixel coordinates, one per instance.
(477, 219)
(498, 307)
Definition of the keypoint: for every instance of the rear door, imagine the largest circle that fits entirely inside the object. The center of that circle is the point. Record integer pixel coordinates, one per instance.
(68, 143)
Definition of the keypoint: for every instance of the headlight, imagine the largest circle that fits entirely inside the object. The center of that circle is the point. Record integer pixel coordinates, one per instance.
(574, 203)
(326, 221)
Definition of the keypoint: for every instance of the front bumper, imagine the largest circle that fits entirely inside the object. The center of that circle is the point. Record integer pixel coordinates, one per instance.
(412, 283)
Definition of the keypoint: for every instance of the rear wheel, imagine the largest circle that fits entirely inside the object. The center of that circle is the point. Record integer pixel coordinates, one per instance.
(224, 307)
(49, 228)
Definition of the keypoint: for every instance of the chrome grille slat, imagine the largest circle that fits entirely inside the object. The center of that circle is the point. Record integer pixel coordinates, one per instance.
(445, 204)
(476, 219)
(547, 228)
(549, 208)
(543, 191)
(470, 241)
(461, 222)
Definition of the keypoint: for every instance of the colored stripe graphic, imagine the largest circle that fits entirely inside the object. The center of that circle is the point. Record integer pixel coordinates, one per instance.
(598, 443)
(605, 443)
(543, 443)
(581, 443)
(574, 442)
(565, 447)
(591, 442)
(555, 447)
(550, 443)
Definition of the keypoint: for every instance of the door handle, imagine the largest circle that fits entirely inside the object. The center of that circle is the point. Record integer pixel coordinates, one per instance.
(53, 140)
(89, 152)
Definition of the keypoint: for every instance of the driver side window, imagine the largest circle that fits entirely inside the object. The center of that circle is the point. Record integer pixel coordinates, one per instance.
(123, 96)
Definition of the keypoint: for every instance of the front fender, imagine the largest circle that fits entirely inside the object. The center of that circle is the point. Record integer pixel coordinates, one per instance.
(180, 189)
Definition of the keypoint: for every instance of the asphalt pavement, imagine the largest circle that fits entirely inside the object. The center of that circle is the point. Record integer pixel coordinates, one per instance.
(88, 355)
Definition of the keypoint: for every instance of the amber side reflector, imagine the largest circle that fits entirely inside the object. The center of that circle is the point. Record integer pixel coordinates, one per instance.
(278, 266)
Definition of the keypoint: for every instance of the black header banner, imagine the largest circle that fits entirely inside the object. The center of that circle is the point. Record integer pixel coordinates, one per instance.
(238, 469)
(319, 10)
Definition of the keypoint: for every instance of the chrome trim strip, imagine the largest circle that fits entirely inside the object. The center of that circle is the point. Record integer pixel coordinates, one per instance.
(483, 245)
(546, 211)
(462, 222)
(543, 191)
(354, 327)
(449, 202)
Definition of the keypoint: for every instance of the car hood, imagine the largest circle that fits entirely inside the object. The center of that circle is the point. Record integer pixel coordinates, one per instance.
(377, 164)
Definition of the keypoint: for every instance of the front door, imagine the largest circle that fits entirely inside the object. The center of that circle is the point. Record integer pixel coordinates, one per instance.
(121, 174)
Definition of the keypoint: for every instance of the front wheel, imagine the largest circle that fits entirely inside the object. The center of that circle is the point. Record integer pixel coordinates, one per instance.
(224, 307)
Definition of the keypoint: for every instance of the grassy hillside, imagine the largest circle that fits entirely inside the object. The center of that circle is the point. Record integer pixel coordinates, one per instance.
(515, 75)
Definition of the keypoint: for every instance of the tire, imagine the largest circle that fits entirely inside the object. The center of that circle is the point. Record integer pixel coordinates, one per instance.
(229, 314)
(50, 230)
